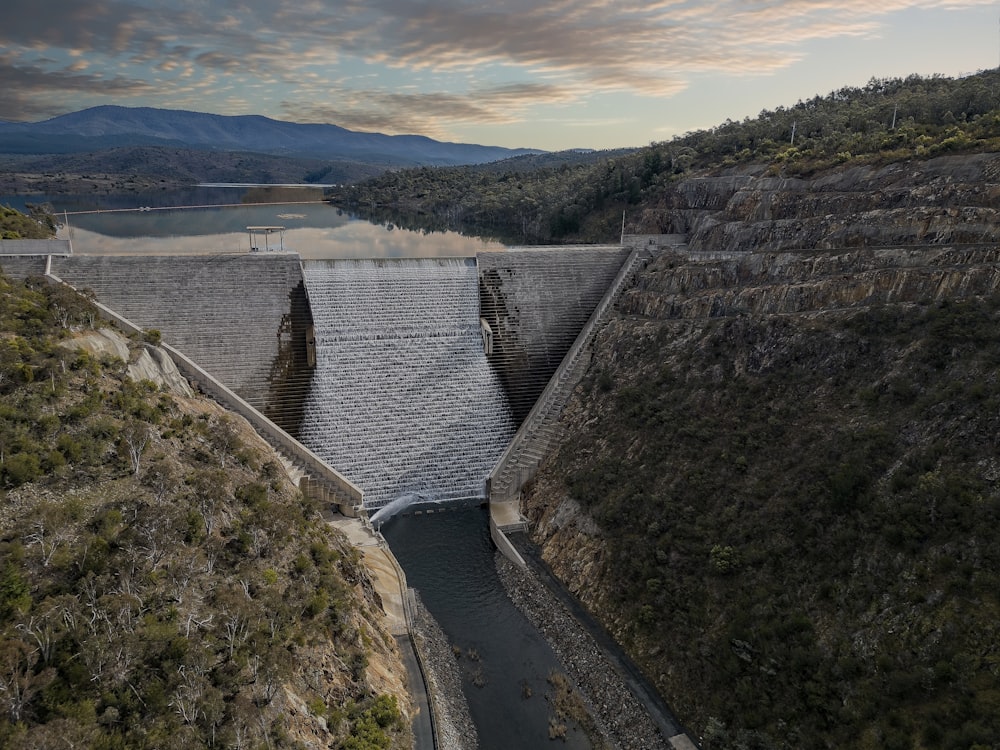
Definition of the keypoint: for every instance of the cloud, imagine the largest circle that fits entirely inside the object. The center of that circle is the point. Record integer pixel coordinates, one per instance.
(427, 113)
(466, 61)
(21, 84)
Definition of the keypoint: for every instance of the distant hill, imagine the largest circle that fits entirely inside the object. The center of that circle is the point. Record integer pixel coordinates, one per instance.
(104, 127)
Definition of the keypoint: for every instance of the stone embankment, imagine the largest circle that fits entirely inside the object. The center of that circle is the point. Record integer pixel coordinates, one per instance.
(620, 718)
(444, 683)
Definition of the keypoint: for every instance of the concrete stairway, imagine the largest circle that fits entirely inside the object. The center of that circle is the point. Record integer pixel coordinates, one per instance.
(540, 431)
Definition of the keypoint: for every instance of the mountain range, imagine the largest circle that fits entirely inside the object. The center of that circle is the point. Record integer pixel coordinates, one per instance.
(108, 126)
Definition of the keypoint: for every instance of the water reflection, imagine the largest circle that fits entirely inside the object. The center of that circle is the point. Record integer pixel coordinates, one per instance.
(150, 224)
(313, 230)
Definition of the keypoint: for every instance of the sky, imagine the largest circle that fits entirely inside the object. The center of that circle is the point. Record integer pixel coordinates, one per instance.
(517, 73)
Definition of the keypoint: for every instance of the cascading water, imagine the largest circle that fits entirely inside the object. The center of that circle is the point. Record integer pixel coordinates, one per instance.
(403, 401)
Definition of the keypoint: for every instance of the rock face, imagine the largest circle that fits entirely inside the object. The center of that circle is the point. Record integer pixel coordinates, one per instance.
(752, 482)
(154, 364)
(102, 342)
(947, 200)
(149, 363)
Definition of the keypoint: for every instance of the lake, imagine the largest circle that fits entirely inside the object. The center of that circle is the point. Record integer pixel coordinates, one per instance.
(215, 221)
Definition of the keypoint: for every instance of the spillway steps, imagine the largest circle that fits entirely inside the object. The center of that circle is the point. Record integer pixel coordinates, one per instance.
(404, 402)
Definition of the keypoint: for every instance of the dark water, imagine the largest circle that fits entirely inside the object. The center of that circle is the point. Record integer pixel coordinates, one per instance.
(448, 558)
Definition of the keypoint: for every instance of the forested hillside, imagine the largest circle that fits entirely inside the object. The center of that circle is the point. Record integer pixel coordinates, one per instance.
(583, 198)
(779, 489)
(37, 224)
(162, 584)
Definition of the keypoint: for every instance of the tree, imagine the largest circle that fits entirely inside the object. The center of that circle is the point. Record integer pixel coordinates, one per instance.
(134, 439)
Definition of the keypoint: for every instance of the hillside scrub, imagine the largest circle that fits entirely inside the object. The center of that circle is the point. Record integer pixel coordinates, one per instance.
(162, 583)
(37, 224)
(581, 198)
(795, 520)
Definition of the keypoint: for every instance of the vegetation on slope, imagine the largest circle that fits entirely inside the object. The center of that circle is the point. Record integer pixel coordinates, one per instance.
(162, 584)
(145, 168)
(37, 224)
(797, 521)
(582, 199)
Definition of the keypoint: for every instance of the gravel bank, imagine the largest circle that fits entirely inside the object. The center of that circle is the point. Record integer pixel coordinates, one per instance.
(444, 683)
(618, 715)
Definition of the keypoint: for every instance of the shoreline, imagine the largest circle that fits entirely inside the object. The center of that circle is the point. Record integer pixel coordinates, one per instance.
(620, 719)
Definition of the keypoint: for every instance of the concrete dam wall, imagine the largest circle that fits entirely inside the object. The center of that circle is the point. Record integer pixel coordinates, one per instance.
(404, 402)
(536, 301)
(403, 399)
(243, 318)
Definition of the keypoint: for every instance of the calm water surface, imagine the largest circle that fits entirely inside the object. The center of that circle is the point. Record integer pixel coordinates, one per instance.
(448, 559)
(120, 225)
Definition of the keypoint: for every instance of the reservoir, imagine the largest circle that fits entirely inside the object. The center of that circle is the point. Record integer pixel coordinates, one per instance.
(216, 223)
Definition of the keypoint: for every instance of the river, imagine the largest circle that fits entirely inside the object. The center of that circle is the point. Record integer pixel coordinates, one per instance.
(448, 558)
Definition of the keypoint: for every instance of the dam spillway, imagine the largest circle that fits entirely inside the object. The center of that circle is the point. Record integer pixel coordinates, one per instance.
(401, 348)
(403, 401)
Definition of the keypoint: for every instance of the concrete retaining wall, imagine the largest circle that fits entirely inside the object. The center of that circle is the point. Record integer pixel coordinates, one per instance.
(536, 301)
(321, 481)
(540, 430)
(35, 247)
(242, 318)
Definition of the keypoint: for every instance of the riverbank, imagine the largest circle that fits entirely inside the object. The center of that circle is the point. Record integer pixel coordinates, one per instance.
(621, 720)
(456, 730)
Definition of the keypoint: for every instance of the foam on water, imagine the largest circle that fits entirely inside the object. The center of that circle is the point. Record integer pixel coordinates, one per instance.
(404, 402)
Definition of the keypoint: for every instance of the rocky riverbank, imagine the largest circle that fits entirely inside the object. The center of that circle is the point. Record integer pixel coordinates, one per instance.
(444, 683)
(620, 721)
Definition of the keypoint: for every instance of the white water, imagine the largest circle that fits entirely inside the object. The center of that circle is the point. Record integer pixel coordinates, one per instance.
(404, 402)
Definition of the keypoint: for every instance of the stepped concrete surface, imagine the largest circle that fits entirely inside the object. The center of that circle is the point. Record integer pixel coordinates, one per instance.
(404, 402)
(232, 314)
(535, 301)
(23, 266)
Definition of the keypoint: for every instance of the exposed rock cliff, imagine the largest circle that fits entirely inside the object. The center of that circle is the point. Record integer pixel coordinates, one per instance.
(947, 200)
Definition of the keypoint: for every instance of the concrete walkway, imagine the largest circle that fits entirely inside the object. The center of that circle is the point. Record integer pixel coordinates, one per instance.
(381, 564)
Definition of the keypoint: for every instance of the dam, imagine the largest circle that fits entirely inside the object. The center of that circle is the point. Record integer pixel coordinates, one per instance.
(409, 377)
(414, 378)
(404, 402)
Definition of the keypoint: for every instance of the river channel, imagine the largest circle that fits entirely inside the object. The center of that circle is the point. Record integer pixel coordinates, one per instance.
(448, 557)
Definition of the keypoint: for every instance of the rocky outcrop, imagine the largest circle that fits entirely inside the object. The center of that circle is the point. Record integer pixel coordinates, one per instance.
(749, 488)
(946, 200)
(784, 283)
(156, 366)
(148, 363)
